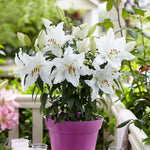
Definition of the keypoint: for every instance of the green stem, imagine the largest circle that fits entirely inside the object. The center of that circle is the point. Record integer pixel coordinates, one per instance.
(134, 76)
(119, 21)
(143, 43)
(131, 68)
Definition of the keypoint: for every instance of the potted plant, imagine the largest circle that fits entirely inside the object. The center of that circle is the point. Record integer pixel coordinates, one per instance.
(71, 70)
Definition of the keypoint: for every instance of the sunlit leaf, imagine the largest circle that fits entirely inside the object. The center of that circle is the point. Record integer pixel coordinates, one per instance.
(125, 14)
(123, 123)
(2, 61)
(109, 5)
(91, 30)
(139, 11)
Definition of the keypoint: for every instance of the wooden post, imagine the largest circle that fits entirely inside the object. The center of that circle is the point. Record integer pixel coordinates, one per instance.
(26, 101)
(37, 128)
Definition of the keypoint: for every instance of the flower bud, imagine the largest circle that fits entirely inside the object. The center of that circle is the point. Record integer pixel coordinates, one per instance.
(83, 46)
(80, 32)
(24, 39)
(42, 39)
(92, 45)
(60, 13)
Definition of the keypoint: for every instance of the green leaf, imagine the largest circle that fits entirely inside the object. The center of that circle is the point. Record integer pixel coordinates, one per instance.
(109, 5)
(2, 72)
(140, 49)
(55, 102)
(147, 140)
(101, 24)
(73, 115)
(142, 60)
(53, 88)
(148, 18)
(2, 61)
(139, 123)
(43, 99)
(116, 4)
(94, 107)
(104, 102)
(139, 11)
(91, 30)
(107, 23)
(139, 100)
(40, 83)
(88, 112)
(60, 13)
(70, 102)
(132, 33)
(123, 123)
(78, 105)
(143, 33)
(125, 14)
(48, 111)
(146, 35)
(1, 46)
(117, 83)
(61, 117)
(118, 92)
(34, 91)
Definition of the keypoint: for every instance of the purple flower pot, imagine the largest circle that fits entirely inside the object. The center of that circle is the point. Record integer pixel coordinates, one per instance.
(77, 135)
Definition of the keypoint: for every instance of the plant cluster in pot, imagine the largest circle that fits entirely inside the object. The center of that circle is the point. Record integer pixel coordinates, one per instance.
(71, 70)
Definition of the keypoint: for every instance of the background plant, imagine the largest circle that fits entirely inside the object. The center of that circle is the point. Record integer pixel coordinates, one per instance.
(16, 16)
(135, 88)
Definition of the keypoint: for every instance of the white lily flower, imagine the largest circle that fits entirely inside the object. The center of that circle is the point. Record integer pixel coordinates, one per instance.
(80, 32)
(31, 67)
(102, 79)
(56, 38)
(46, 22)
(83, 46)
(70, 68)
(21, 60)
(112, 50)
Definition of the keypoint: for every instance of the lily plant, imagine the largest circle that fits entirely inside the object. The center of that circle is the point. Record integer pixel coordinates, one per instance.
(71, 70)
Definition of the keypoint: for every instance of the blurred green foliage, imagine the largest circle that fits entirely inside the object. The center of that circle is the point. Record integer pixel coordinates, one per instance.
(135, 88)
(134, 91)
(23, 16)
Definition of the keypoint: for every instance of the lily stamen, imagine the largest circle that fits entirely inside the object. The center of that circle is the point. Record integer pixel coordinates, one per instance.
(72, 69)
(114, 52)
(35, 70)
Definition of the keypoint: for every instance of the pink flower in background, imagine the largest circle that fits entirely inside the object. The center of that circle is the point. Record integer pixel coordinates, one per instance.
(8, 97)
(8, 119)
